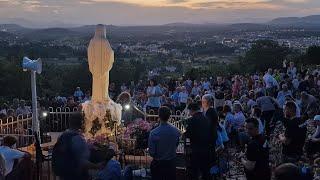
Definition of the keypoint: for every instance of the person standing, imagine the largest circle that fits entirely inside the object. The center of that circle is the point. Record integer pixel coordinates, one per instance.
(292, 70)
(256, 158)
(198, 132)
(268, 107)
(295, 134)
(270, 82)
(163, 142)
(154, 94)
(281, 98)
(212, 116)
(183, 98)
(78, 94)
(70, 155)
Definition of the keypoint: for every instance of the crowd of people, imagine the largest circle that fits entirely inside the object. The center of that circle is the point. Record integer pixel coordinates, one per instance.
(244, 112)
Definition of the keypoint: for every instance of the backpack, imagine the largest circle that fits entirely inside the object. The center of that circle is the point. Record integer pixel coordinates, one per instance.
(64, 162)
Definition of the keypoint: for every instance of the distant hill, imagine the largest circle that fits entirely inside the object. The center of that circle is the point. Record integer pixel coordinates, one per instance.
(13, 28)
(248, 26)
(307, 20)
(51, 33)
(35, 24)
(167, 30)
(180, 24)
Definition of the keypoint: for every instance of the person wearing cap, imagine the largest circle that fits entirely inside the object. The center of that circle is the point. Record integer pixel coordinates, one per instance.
(198, 131)
(313, 144)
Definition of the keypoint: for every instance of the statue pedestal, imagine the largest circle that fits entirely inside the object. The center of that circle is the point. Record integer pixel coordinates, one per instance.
(101, 118)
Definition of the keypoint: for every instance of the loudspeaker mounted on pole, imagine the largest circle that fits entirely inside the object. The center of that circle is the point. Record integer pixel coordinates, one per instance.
(34, 66)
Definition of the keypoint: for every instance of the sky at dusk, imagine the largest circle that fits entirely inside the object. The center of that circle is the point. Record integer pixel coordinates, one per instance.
(154, 12)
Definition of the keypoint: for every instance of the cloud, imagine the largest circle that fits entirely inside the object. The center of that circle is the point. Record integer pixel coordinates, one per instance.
(31, 2)
(138, 12)
(177, 1)
(235, 5)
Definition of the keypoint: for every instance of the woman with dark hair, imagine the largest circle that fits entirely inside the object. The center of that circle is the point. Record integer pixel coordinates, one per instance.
(154, 94)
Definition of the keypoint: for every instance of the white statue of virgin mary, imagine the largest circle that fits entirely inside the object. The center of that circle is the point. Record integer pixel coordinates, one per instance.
(101, 107)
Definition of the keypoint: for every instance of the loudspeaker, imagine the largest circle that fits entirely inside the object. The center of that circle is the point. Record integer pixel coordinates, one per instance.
(32, 65)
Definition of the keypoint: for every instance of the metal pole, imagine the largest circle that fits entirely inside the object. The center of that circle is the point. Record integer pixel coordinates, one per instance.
(35, 120)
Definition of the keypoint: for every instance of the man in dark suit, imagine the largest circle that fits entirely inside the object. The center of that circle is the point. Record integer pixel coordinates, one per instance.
(198, 132)
(212, 116)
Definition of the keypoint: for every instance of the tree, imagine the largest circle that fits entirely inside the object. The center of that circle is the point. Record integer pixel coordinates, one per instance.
(313, 55)
(265, 54)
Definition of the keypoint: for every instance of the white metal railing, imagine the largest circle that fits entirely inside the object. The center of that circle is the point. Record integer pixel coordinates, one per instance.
(57, 121)
(16, 125)
(58, 118)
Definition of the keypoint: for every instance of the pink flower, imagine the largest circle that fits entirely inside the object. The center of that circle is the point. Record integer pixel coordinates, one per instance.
(137, 127)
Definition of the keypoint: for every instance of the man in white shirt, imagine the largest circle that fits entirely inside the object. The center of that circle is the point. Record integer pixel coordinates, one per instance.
(21, 170)
(270, 82)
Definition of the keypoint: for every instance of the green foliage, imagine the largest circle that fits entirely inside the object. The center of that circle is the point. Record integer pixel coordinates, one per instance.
(14, 82)
(313, 55)
(215, 69)
(201, 49)
(265, 54)
(56, 79)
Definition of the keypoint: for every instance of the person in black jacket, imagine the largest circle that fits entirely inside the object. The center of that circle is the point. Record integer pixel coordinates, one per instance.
(198, 132)
(293, 139)
(212, 116)
(256, 158)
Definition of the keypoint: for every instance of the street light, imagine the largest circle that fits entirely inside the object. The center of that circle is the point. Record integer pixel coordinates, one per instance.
(34, 66)
(44, 114)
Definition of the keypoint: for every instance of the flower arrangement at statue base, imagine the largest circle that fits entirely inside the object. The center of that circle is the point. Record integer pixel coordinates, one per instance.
(101, 122)
(135, 137)
(101, 118)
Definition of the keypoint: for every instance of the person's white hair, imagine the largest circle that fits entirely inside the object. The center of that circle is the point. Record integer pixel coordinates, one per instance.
(209, 98)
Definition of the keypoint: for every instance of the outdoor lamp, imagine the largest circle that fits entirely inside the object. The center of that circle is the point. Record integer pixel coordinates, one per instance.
(127, 107)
